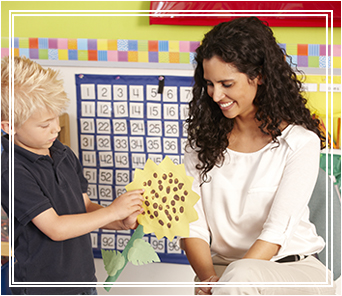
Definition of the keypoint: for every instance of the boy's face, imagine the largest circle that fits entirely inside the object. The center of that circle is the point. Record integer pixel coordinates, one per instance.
(39, 132)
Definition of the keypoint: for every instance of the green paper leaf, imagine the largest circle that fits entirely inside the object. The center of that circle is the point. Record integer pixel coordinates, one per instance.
(142, 253)
(113, 261)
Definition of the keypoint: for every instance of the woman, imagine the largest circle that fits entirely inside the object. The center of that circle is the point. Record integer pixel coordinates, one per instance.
(254, 153)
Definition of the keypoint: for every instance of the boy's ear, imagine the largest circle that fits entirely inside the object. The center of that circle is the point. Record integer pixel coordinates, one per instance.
(5, 126)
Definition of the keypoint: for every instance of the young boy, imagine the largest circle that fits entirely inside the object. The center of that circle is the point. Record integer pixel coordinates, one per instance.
(53, 214)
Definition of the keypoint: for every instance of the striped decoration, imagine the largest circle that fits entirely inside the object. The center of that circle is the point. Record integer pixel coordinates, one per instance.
(151, 51)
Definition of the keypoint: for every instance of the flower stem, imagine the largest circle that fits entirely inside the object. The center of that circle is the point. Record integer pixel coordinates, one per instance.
(138, 234)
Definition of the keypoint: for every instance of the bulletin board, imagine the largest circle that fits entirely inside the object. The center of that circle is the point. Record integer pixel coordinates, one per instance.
(122, 121)
(324, 99)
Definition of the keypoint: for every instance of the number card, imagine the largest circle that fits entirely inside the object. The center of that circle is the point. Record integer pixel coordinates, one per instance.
(137, 144)
(107, 241)
(170, 94)
(154, 128)
(87, 126)
(105, 192)
(103, 143)
(136, 110)
(88, 91)
(121, 143)
(123, 120)
(120, 126)
(120, 109)
(106, 159)
(92, 191)
(152, 93)
(121, 177)
(185, 94)
(103, 126)
(173, 247)
(87, 142)
(137, 127)
(104, 92)
(153, 110)
(104, 109)
(120, 92)
(121, 241)
(94, 242)
(136, 93)
(88, 109)
(89, 158)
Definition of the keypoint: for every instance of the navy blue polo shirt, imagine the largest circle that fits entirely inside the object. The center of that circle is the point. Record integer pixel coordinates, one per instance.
(42, 182)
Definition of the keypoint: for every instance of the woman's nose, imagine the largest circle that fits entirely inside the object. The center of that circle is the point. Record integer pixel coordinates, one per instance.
(217, 94)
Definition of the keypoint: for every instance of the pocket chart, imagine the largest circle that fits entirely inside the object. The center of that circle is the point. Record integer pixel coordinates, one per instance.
(122, 121)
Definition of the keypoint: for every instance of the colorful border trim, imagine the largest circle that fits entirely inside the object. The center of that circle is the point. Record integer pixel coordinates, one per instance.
(151, 51)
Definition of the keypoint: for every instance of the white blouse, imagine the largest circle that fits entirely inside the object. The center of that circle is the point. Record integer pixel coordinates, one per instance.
(260, 195)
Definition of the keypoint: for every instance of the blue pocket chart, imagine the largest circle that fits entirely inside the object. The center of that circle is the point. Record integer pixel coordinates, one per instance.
(122, 121)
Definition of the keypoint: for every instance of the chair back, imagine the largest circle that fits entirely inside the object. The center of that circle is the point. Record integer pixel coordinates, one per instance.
(325, 211)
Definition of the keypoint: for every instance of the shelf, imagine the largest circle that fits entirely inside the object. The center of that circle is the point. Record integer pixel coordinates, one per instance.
(5, 249)
(331, 151)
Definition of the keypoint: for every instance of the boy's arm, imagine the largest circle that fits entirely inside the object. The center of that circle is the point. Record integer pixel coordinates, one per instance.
(128, 223)
(64, 227)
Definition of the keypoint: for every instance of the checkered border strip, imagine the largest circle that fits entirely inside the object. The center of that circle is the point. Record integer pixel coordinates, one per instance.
(151, 51)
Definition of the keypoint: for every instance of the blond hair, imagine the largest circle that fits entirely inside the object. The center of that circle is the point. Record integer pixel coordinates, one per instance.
(34, 88)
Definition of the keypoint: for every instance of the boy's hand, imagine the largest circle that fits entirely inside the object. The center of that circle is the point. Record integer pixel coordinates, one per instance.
(131, 221)
(127, 204)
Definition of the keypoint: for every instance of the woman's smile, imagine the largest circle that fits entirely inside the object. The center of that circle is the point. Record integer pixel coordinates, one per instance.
(226, 106)
(233, 91)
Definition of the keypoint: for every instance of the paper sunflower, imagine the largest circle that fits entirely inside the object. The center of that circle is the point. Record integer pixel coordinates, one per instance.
(169, 208)
(169, 199)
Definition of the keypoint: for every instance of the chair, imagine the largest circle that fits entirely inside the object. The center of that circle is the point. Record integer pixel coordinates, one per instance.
(5, 289)
(318, 211)
(317, 206)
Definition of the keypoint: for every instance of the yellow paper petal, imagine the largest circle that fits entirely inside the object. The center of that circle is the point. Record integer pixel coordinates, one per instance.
(169, 199)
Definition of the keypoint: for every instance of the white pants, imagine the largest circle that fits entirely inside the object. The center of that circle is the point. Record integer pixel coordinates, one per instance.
(306, 277)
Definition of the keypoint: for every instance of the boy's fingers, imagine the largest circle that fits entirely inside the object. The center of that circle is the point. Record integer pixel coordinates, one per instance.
(138, 197)
(136, 209)
(138, 212)
(136, 191)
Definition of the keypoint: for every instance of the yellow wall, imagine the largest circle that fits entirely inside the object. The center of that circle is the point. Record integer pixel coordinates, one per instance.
(132, 28)
(319, 102)
(123, 27)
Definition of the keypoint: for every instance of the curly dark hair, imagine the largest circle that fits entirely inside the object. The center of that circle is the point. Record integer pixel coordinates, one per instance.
(249, 45)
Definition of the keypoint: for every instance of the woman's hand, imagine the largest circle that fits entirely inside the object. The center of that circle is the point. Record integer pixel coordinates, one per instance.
(206, 290)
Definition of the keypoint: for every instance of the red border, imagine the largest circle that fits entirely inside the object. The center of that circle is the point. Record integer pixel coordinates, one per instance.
(164, 8)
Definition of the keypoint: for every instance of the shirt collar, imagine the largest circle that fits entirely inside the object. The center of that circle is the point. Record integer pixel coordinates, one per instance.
(57, 147)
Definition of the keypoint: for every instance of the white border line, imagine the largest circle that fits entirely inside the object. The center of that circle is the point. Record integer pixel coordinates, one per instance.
(11, 150)
(326, 155)
(135, 15)
(332, 136)
(160, 284)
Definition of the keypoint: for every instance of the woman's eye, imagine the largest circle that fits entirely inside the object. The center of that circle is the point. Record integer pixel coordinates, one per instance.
(227, 85)
(44, 126)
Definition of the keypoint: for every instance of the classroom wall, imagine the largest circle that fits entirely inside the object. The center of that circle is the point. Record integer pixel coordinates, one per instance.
(123, 27)
(134, 25)
(128, 28)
